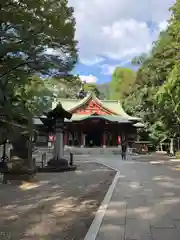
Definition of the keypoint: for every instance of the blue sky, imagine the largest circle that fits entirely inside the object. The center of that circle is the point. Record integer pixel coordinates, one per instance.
(102, 72)
(110, 33)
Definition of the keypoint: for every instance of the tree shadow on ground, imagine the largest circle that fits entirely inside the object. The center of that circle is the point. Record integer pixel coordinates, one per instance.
(147, 207)
(58, 206)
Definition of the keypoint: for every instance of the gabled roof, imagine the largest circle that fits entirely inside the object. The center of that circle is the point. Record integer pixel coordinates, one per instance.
(113, 106)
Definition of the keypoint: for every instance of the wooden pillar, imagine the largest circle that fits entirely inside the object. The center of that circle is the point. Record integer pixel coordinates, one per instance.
(123, 138)
(119, 140)
(104, 137)
(82, 140)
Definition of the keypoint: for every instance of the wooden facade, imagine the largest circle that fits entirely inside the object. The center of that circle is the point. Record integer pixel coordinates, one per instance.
(98, 133)
(96, 123)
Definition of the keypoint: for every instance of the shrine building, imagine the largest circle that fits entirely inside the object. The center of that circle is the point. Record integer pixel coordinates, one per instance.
(97, 123)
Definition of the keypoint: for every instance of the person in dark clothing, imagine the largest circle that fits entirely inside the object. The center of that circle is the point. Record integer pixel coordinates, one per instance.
(123, 150)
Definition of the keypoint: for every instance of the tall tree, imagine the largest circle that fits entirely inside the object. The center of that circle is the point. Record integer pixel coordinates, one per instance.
(90, 87)
(27, 30)
(36, 96)
(158, 77)
(168, 102)
(174, 29)
(63, 88)
(36, 38)
(104, 91)
(121, 84)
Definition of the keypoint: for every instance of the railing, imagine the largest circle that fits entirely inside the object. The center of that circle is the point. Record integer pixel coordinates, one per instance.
(43, 159)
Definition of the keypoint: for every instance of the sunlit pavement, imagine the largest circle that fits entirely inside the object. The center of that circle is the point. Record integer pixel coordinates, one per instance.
(145, 204)
(55, 206)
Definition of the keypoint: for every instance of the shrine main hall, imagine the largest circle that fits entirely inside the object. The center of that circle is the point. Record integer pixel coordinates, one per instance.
(96, 123)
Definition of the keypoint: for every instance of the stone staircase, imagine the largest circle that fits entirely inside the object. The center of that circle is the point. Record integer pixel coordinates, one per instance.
(80, 153)
(93, 151)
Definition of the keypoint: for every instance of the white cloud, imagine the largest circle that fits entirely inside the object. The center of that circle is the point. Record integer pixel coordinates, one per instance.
(117, 28)
(88, 78)
(91, 62)
(108, 69)
(163, 25)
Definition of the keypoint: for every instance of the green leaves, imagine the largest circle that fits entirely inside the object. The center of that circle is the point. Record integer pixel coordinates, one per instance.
(27, 29)
(90, 87)
(122, 83)
(64, 87)
(168, 96)
(158, 81)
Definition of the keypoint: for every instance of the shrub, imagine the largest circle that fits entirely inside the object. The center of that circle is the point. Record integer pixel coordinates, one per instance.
(178, 155)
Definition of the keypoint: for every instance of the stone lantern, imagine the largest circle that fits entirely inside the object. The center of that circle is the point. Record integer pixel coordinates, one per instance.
(55, 122)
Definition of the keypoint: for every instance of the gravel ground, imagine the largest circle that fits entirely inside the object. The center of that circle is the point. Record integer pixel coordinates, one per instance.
(59, 206)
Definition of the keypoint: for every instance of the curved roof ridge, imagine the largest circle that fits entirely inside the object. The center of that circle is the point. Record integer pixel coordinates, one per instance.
(83, 101)
(123, 112)
(100, 102)
(91, 95)
(113, 106)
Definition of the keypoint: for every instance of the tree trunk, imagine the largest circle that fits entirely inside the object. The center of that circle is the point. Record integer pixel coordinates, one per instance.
(20, 165)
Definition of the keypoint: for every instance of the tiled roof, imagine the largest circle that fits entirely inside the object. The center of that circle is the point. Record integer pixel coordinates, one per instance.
(112, 105)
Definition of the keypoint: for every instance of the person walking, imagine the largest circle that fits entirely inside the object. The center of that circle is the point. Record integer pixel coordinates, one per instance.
(123, 150)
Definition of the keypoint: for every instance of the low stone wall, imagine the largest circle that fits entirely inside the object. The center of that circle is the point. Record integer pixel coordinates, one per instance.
(86, 151)
(92, 151)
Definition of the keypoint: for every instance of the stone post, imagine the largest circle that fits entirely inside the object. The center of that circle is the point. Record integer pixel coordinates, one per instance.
(172, 146)
(161, 147)
(65, 139)
(59, 141)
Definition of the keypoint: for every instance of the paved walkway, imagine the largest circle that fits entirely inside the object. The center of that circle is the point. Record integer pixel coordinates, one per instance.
(58, 206)
(145, 203)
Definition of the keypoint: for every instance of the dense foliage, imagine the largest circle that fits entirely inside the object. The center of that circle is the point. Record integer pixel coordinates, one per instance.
(27, 29)
(122, 82)
(63, 87)
(157, 86)
(153, 91)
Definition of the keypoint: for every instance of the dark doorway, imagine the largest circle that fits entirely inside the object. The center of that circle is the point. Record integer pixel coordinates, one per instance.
(94, 139)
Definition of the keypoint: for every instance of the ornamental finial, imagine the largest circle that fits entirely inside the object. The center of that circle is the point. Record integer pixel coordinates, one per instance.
(82, 94)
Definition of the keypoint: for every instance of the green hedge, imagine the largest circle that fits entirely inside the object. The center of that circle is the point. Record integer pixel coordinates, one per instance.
(178, 155)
